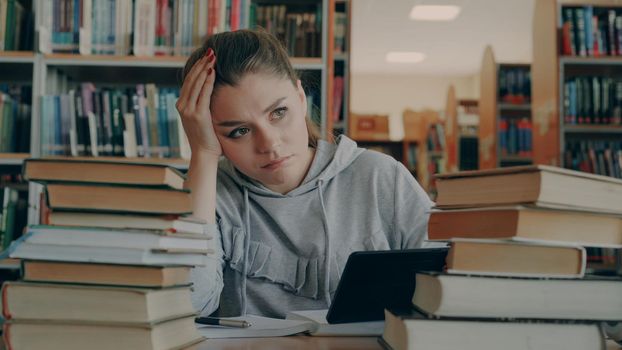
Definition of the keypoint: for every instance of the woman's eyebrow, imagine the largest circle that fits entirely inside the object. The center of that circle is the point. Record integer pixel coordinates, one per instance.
(230, 123)
(273, 105)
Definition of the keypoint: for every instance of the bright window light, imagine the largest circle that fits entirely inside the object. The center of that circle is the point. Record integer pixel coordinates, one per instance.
(405, 57)
(434, 12)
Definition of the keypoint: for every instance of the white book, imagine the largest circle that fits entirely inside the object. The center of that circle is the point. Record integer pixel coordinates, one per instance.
(144, 27)
(73, 129)
(201, 9)
(260, 327)
(105, 255)
(93, 134)
(312, 322)
(321, 327)
(184, 224)
(117, 238)
(130, 149)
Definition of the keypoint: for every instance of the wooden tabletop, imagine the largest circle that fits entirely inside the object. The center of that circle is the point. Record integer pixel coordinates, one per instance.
(306, 342)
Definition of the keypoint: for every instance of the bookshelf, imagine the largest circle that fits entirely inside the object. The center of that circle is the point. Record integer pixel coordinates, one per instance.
(424, 145)
(57, 66)
(468, 125)
(577, 85)
(339, 73)
(505, 113)
(452, 135)
(461, 125)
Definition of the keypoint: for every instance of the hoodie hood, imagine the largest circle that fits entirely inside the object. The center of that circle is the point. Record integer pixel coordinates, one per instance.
(330, 159)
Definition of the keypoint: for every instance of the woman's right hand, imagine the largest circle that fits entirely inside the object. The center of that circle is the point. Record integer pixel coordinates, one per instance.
(194, 106)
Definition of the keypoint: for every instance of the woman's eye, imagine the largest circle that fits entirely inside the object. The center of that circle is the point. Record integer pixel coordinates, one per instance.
(279, 113)
(239, 132)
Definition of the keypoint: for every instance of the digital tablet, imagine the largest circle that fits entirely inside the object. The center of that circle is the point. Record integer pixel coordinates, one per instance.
(374, 280)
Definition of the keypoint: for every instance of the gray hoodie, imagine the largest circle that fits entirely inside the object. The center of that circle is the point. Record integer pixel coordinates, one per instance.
(283, 252)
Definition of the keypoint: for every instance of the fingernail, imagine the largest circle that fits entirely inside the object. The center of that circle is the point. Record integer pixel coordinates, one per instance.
(209, 71)
(210, 58)
(209, 52)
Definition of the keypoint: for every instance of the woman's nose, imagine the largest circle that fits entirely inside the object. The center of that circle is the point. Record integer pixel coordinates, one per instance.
(267, 140)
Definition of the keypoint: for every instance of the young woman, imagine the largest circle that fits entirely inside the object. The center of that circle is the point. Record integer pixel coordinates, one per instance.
(286, 208)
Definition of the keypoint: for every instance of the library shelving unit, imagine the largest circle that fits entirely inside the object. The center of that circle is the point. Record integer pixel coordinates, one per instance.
(505, 113)
(339, 72)
(461, 121)
(16, 72)
(577, 85)
(468, 124)
(51, 73)
(424, 151)
(452, 136)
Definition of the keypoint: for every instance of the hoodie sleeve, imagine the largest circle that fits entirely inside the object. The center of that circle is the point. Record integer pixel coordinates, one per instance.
(411, 209)
(207, 281)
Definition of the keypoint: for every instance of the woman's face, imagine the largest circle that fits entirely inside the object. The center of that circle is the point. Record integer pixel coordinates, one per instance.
(261, 127)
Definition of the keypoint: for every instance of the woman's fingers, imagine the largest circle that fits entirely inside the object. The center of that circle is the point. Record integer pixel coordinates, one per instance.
(205, 93)
(192, 76)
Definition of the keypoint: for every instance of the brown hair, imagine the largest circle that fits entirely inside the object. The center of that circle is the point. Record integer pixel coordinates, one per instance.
(249, 51)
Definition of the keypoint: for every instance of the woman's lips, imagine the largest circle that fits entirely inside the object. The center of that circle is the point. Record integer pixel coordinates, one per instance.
(277, 163)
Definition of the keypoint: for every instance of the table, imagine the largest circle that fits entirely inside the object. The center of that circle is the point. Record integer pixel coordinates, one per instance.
(306, 342)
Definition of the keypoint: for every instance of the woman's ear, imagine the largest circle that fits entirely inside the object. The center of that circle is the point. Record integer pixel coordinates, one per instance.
(302, 96)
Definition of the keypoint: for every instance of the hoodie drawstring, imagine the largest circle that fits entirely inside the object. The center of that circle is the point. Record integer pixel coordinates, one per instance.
(247, 222)
(326, 246)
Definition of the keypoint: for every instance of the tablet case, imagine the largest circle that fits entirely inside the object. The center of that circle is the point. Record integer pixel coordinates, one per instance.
(374, 280)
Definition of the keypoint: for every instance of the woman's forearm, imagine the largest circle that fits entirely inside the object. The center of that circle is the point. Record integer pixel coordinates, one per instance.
(201, 181)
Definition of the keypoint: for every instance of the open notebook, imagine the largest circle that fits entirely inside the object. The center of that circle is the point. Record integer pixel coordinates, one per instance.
(312, 322)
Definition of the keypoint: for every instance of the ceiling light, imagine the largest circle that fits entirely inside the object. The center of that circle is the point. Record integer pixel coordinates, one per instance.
(405, 57)
(434, 12)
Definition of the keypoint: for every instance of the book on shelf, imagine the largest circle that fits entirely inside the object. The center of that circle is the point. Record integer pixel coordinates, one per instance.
(52, 301)
(39, 335)
(471, 296)
(540, 185)
(89, 121)
(514, 85)
(97, 171)
(166, 223)
(108, 198)
(526, 223)
(142, 27)
(410, 330)
(592, 100)
(16, 23)
(105, 274)
(521, 259)
(116, 238)
(15, 118)
(594, 156)
(591, 31)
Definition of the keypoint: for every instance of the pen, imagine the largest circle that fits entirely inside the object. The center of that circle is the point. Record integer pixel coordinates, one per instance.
(215, 321)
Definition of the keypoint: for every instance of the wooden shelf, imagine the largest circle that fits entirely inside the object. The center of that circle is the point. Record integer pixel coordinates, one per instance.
(514, 107)
(58, 59)
(578, 60)
(17, 57)
(515, 159)
(307, 63)
(13, 158)
(114, 61)
(593, 129)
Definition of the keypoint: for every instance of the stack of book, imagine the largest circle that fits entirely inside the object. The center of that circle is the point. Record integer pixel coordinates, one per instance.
(516, 267)
(111, 268)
